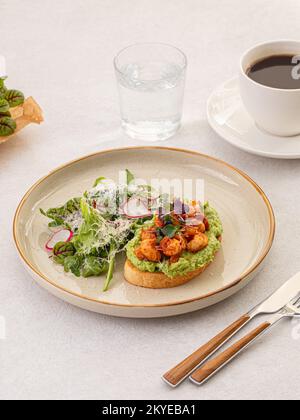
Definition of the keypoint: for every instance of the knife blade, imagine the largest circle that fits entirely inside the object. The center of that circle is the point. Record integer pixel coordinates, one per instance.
(209, 369)
(272, 304)
(279, 298)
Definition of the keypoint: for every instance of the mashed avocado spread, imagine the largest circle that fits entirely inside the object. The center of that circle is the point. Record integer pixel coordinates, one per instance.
(187, 262)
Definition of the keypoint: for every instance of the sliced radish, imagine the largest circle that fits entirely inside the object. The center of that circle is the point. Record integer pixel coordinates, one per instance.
(136, 208)
(63, 235)
(151, 205)
(195, 221)
(153, 198)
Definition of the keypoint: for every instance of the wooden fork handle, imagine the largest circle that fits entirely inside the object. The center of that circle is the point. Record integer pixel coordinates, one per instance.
(212, 366)
(177, 374)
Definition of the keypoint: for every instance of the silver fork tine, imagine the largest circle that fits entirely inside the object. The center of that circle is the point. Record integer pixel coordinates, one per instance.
(204, 373)
(296, 301)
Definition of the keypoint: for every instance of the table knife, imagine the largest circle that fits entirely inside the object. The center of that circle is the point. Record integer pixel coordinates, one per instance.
(271, 305)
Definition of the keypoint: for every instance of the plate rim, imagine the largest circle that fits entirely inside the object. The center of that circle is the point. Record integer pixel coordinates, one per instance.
(228, 139)
(237, 281)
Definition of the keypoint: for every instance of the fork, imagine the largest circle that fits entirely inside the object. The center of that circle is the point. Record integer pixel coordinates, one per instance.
(210, 368)
(183, 370)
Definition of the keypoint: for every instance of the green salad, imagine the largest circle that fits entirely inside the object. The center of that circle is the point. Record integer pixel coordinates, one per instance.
(91, 230)
(158, 232)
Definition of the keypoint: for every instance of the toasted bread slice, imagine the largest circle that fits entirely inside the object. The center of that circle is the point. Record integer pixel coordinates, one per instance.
(156, 280)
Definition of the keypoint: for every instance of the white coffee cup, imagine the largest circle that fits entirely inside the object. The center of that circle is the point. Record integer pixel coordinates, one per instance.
(276, 111)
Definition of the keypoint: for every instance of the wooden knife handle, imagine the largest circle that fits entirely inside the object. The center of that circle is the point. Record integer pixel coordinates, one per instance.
(212, 366)
(184, 368)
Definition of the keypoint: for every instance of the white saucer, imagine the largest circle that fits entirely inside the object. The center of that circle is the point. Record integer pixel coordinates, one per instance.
(229, 118)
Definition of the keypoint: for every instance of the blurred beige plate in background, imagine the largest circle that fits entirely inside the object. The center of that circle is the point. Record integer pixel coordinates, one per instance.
(28, 113)
(245, 211)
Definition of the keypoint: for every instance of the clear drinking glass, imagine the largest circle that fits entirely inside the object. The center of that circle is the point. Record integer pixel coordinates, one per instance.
(151, 79)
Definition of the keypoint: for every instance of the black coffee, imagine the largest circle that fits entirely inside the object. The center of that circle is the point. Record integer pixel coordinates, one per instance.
(277, 71)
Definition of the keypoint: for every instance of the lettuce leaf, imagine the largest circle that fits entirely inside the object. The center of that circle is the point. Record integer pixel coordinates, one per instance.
(60, 214)
(86, 240)
(129, 177)
(73, 264)
(62, 250)
(98, 181)
(84, 266)
(93, 266)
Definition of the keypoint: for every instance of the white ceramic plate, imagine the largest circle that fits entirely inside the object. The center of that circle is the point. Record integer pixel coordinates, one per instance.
(229, 118)
(245, 211)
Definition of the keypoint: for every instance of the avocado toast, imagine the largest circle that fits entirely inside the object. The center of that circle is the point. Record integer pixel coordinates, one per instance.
(174, 247)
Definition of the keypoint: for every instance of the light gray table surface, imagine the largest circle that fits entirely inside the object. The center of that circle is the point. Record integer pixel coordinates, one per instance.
(61, 53)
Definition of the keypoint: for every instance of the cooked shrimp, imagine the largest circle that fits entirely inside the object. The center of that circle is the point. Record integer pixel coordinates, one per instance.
(201, 227)
(148, 234)
(191, 231)
(174, 259)
(139, 254)
(149, 250)
(199, 242)
(182, 240)
(206, 223)
(171, 247)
